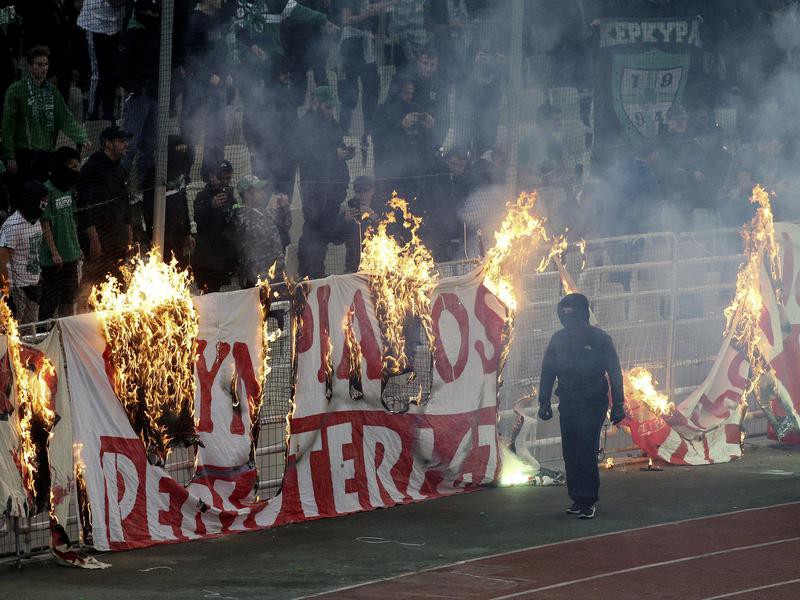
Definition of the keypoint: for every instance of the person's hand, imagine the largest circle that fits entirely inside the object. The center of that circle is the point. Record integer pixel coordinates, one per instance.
(58, 262)
(545, 412)
(352, 214)
(278, 200)
(409, 120)
(95, 248)
(215, 80)
(617, 414)
(11, 165)
(346, 153)
(426, 120)
(258, 52)
(219, 200)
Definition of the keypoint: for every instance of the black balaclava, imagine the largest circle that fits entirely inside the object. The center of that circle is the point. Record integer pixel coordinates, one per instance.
(573, 311)
(33, 195)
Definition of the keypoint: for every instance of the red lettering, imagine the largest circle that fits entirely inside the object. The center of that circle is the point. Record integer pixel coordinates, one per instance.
(206, 379)
(245, 374)
(370, 349)
(493, 326)
(129, 505)
(305, 336)
(173, 516)
(446, 370)
(323, 296)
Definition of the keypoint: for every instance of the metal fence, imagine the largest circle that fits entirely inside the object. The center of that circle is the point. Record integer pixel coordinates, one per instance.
(660, 296)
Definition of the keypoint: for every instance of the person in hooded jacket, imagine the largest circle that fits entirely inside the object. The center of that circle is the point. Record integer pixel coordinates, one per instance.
(20, 241)
(60, 249)
(584, 361)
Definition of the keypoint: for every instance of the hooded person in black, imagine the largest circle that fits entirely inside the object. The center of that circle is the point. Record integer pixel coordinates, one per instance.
(584, 361)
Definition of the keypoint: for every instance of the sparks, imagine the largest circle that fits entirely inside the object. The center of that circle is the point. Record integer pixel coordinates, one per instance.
(640, 388)
(402, 278)
(150, 326)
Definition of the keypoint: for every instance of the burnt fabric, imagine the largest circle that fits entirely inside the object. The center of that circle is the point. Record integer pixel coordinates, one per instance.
(583, 360)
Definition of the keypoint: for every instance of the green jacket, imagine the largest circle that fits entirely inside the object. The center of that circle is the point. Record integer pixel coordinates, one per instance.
(33, 116)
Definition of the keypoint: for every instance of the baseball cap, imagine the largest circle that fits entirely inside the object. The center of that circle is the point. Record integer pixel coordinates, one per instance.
(224, 167)
(249, 182)
(114, 132)
(325, 94)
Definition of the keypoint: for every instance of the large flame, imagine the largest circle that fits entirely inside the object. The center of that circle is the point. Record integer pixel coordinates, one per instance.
(402, 278)
(744, 312)
(353, 349)
(640, 388)
(520, 233)
(34, 402)
(151, 327)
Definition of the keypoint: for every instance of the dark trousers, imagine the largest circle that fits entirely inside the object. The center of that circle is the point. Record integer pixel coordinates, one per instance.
(581, 423)
(103, 50)
(356, 68)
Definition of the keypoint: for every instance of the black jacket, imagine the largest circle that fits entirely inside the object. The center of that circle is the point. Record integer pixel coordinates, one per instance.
(102, 200)
(580, 356)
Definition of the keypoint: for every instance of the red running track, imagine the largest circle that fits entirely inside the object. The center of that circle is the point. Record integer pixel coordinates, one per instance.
(741, 555)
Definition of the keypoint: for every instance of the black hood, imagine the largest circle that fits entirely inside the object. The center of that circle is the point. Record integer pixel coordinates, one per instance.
(573, 311)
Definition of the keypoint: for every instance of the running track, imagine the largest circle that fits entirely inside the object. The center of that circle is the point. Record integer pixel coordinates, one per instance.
(747, 554)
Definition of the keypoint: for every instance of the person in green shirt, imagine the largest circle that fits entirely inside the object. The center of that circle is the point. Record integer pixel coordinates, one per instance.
(60, 250)
(34, 112)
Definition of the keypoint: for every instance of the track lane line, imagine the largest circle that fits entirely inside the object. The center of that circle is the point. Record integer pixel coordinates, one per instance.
(663, 563)
(549, 545)
(753, 589)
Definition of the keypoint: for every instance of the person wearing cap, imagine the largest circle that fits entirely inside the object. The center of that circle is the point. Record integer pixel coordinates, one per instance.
(61, 249)
(583, 360)
(216, 254)
(324, 177)
(20, 242)
(34, 113)
(258, 230)
(103, 210)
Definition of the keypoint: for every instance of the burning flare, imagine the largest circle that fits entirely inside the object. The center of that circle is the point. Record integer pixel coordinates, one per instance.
(640, 388)
(519, 235)
(744, 312)
(402, 278)
(34, 406)
(151, 327)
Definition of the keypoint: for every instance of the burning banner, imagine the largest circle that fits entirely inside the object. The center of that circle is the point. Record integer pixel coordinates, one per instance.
(402, 277)
(150, 327)
(758, 359)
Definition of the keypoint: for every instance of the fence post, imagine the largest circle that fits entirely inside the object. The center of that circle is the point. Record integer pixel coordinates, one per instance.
(669, 380)
(162, 135)
(514, 93)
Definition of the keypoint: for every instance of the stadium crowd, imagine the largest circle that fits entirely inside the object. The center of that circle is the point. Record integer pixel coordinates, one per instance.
(291, 122)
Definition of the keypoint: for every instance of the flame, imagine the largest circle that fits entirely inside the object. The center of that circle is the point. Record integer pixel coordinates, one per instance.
(744, 312)
(610, 462)
(353, 348)
(649, 463)
(33, 396)
(402, 279)
(520, 233)
(640, 388)
(581, 245)
(151, 333)
(267, 339)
